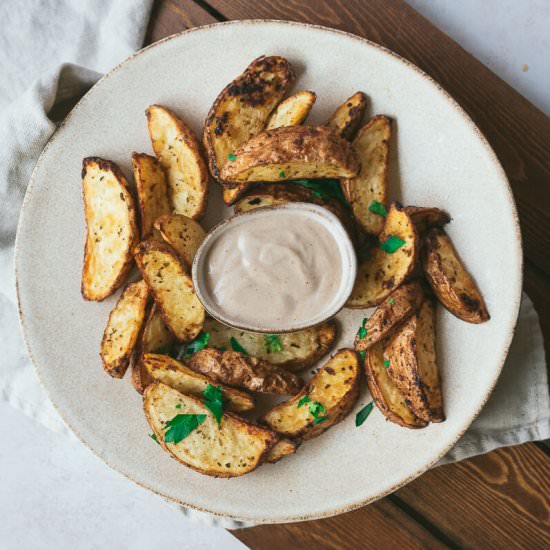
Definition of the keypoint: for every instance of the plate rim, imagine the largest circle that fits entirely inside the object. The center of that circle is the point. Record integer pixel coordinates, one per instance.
(515, 306)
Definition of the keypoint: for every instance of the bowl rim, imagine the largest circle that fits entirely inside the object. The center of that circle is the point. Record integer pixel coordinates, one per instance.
(491, 156)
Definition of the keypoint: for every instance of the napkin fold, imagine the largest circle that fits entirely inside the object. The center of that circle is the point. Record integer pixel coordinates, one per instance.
(48, 65)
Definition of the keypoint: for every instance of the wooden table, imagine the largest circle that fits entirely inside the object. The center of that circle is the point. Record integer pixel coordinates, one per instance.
(502, 499)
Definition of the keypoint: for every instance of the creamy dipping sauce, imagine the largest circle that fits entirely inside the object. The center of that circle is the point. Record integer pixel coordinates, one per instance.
(275, 270)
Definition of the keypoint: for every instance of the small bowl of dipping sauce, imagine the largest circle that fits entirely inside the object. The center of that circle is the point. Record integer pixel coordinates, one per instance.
(276, 269)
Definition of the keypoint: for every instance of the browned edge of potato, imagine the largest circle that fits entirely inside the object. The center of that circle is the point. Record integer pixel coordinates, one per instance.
(450, 280)
(347, 117)
(425, 217)
(111, 232)
(244, 371)
(372, 146)
(381, 272)
(172, 288)
(335, 386)
(123, 328)
(292, 111)
(152, 190)
(178, 151)
(234, 448)
(283, 447)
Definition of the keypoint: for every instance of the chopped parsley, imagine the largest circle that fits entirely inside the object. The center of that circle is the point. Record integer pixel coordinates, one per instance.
(282, 174)
(363, 414)
(304, 400)
(317, 409)
(273, 343)
(213, 400)
(236, 346)
(378, 208)
(181, 426)
(386, 363)
(154, 438)
(362, 332)
(232, 157)
(392, 244)
(392, 301)
(178, 406)
(196, 345)
(325, 189)
(362, 355)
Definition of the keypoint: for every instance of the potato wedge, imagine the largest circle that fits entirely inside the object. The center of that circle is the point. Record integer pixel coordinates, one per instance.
(162, 368)
(394, 310)
(243, 107)
(183, 234)
(384, 392)
(123, 328)
(292, 111)
(452, 284)
(282, 448)
(425, 218)
(369, 186)
(234, 448)
(172, 289)
(335, 387)
(178, 151)
(382, 271)
(347, 118)
(154, 338)
(152, 191)
(244, 371)
(111, 228)
(300, 350)
(292, 152)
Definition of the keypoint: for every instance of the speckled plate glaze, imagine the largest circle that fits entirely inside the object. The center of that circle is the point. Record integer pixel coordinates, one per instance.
(439, 158)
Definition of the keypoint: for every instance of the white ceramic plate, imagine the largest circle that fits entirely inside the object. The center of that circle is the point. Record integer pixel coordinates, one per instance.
(439, 158)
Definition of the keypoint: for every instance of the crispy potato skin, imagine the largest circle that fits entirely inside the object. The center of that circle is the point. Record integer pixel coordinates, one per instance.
(381, 272)
(452, 284)
(424, 218)
(242, 108)
(162, 368)
(335, 386)
(244, 371)
(372, 146)
(111, 228)
(178, 151)
(301, 349)
(172, 288)
(282, 448)
(292, 152)
(347, 118)
(152, 190)
(384, 392)
(394, 310)
(123, 328)
(234, 448)
(292, 111)
(183, 234)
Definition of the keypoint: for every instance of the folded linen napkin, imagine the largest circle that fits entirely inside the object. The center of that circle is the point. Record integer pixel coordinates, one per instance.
(64, 58)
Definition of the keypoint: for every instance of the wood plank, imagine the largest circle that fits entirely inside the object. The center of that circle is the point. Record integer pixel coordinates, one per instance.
(516, 129)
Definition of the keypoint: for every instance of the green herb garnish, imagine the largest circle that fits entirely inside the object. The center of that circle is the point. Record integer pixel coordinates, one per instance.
(213, 400)
(325, 189)
(392, 244)
(362, 332)
(378, 208)
(362, 355)
(181, 426)
(178, 406)
(304, 400)
(386, 363)
(231, 156)
(282, 174)
(236, 346)
(273, 343)
(317, 409)
(392, 301)
(154, 438)
(363, 414)
(196, 345)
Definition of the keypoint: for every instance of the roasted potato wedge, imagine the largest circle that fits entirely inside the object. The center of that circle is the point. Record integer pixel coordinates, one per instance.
(244, 371)
(154, 338)
(335, 387)
(234, 448)
(347, 118)
(292, 152)
(369, 186)
(452, 284)
(178, 151)
(413, 364)
(243, 107)
(152, 191)
(282, 448)
(394, 310)
(111, 228)
(425, 218)
(384, 392)
(382, 271)
(183, 234)
(123, 328)
(292, 111)
(300, 350)
(162, 368)
(172, 289)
